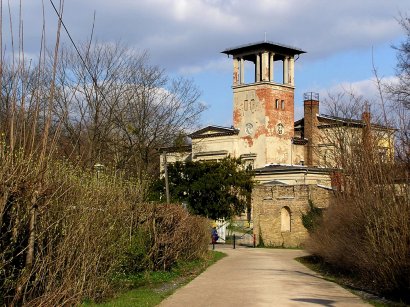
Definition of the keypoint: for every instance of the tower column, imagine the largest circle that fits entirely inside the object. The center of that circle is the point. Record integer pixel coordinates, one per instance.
(242, 81)
(271, 67)
(265, 66)
(286, 70)
(258, 68)
(235, 71)
(292, 70)
(263, 107)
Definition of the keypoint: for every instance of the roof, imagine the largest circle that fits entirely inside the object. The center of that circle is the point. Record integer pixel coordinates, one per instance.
(299, 141)
(299, 123)
(281, 168)
(325, 120)
(182, 148)
(211, 153)
(213, 131)
(328, 120)
(275, 182)
(264, 45)
(331, 118)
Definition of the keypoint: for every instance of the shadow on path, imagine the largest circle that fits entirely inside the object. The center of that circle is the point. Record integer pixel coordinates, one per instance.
(317, 301)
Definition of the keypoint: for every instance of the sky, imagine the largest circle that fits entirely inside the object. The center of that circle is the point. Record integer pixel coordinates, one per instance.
(343, 39)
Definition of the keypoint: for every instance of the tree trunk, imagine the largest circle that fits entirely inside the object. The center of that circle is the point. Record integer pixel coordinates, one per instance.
(26, 273)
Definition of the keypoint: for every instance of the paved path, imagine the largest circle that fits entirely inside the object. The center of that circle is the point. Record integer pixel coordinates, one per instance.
(260, 277)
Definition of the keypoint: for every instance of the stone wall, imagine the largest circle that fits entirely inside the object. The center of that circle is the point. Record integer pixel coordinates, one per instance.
(270, 205)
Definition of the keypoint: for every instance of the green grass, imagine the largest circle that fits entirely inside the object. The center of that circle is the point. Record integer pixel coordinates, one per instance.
(150, 288)
(281, 247)
(346, 281)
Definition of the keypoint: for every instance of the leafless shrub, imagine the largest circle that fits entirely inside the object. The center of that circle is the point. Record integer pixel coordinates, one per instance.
(84, 230)
(65, 230)
(366, 230)
(173, 234)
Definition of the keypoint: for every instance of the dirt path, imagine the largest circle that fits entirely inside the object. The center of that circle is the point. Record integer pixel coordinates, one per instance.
(261, 277)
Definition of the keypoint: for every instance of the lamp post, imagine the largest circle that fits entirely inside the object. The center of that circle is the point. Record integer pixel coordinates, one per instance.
(98, 168)
(166, 176)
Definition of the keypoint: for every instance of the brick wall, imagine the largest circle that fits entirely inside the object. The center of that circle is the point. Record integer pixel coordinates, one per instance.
(311, 131)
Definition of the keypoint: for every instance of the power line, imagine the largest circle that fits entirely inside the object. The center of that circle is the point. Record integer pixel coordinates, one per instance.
(76, 49)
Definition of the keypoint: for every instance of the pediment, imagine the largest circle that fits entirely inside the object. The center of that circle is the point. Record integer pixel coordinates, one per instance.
(213, 131)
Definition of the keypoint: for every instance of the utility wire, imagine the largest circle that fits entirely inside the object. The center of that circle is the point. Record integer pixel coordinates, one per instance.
(94, 80)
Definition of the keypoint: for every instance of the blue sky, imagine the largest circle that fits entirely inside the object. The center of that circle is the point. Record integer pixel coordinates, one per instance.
(334, 72)
(186, 38)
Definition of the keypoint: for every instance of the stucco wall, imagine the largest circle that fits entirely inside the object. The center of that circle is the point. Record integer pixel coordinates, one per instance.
(298, 154)
(295, 177)
(173, 157)
(214, 144)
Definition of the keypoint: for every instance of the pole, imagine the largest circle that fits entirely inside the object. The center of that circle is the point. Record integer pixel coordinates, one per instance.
(166, 176)
(234, 241)
(254, 240)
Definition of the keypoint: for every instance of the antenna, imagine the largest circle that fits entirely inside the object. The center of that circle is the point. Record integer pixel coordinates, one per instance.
(265, 36)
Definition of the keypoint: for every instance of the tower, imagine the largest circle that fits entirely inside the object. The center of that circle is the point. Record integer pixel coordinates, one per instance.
(263, 110)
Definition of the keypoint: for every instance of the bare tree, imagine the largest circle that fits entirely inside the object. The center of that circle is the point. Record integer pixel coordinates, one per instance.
(399, 93)
(350, 123)
(153, 113)
(339, 135)
(365, 230)
(88, 94)
(401, 89)
(117, 109)
(50, 253)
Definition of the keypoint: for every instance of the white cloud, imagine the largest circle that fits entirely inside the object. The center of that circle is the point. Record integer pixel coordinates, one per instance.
(213, 65)
(187, 36)
(368, 88)
(184, 32)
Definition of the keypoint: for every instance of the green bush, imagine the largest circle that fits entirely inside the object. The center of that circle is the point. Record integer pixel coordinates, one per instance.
(135, 257)
(312, 218)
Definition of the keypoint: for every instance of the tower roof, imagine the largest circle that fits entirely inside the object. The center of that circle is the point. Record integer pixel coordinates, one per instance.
(263, 46)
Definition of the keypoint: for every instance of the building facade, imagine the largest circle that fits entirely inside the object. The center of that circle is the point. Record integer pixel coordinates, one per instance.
(284, 155)
(263, 112)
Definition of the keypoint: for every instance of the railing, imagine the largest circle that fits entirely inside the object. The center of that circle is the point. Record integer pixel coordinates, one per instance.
(311, 96)
(237, 240)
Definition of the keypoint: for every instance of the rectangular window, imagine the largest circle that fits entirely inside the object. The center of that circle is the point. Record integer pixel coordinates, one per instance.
(283, 104)
(277, 104)
(383, 154)
(245, 105)
(252, 104)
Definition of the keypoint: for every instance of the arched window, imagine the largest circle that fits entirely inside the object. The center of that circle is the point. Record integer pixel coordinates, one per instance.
(285, 219)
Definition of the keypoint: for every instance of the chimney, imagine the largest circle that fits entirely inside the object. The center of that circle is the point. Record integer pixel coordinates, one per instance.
(310, 130)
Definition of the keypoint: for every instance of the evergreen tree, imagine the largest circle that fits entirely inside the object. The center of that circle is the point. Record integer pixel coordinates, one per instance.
(209, 188)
